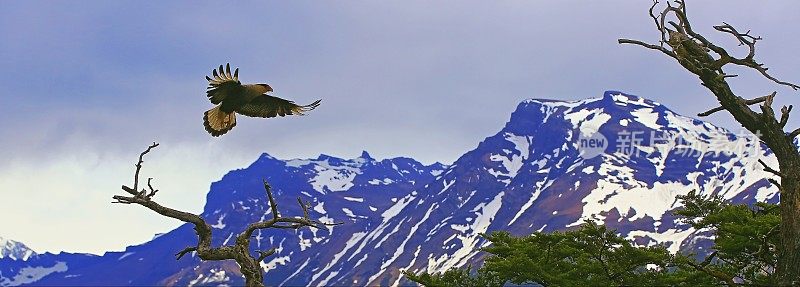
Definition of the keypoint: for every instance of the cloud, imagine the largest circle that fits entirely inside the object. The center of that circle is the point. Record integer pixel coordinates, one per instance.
(66, 204)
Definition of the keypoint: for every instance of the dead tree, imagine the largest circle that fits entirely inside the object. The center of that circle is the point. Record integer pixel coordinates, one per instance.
(705, 59)
(240, 250)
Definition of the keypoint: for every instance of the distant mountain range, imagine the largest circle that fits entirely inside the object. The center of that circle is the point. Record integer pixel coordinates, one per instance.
(619, 159)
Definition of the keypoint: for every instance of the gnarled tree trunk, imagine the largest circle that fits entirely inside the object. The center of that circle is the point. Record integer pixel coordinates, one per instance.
(706, 60)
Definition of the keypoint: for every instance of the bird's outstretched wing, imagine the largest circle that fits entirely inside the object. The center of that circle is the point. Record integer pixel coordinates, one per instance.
(223, 84)
(266, 106)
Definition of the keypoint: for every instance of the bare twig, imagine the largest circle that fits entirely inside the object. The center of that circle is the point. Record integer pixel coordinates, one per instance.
(649, 46)
(760, 68)
(265, 254)
(303, 206)
(769, 169)
(785, 115)
(139, 167)
(655, 19)
(793, 134)
(152, 190)
(272, 205)
(184, 251)
(720, 108)
(766, 109)
(748, 61)
(775, 182)
(744, 38)
(709, 258)
(711, 111)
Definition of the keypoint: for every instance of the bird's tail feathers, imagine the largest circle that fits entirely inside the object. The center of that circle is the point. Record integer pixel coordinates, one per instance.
(217, 122)
(300, 110)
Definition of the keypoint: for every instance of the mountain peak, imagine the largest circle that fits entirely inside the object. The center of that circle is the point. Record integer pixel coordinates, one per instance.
(14, 250)
(330, 158)
(621, 99)
(532, 114)
(611, 97)
(365, 155)
(266, 156)
(614, 95)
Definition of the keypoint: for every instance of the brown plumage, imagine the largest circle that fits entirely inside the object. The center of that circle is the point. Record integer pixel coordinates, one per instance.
(231, 97)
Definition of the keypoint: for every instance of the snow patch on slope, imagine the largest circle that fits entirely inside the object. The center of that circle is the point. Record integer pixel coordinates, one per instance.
(214, 276)
(512, 161)
(29, 275)
(329, 178)
(673, 237)
(484, 213)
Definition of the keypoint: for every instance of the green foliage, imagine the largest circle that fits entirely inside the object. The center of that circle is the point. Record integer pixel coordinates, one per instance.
(458, 277)
(744, 253)
(745, 238)
(590, 255)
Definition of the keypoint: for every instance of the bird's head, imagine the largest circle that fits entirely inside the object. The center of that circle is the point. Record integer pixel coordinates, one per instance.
(266, 87)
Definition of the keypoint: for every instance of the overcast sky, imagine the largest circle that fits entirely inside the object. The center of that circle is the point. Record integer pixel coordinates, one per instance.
(87, 85)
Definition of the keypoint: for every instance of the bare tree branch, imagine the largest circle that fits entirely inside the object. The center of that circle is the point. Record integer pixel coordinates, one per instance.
(793, 134)
(760, 68)
(239, 252)
(709, 258)
(744, 38)
(649, 46)
(750, 42)
(775, 182)
(766, 109)
(785, 115)
(139, 167)
(272, 205)
(304, 206)
(765, 246)
(265, 254)
(152, 190)
(720, 108)
(184, 251)
(722, 276)
(655, 19)
(769, 169)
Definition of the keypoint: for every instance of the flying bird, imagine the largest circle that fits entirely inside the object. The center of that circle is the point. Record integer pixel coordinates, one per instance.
(252, 100)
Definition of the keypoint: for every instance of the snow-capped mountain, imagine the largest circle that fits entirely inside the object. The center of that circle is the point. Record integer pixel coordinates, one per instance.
(619, 159)
(20, 265)
(14, 250)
